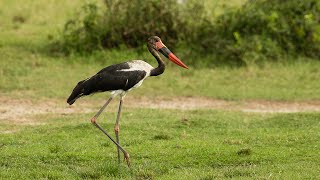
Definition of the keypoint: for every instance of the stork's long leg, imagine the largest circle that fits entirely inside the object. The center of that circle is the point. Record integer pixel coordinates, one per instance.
(116, 126)
(94, 122)
(102, 108)
(126, 155)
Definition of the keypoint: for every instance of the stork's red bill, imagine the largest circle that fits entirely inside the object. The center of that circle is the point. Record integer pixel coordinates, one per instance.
(168, 54)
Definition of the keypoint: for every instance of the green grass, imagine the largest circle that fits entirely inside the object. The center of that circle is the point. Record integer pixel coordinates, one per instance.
(29, 75)
(165, 144)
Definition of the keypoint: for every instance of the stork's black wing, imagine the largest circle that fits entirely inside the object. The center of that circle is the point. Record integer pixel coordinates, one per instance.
(114, 77)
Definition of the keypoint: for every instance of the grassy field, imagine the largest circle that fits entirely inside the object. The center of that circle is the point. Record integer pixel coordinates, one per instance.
(35, 76)
(163, 144)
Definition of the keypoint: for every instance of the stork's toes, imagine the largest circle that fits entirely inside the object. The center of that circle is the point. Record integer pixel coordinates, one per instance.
(127, 158)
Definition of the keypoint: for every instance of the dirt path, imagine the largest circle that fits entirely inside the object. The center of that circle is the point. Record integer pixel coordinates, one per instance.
(21, 110)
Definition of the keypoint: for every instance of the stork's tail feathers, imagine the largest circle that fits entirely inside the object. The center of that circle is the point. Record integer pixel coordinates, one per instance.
(77, 92)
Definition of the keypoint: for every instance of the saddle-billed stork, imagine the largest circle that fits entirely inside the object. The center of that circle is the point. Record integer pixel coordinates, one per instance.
(120, 79)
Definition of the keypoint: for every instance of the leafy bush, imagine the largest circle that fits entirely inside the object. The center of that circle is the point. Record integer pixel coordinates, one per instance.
(132, 21)
(123, 22)
(258, 31)
(84, 33)
(263, 30)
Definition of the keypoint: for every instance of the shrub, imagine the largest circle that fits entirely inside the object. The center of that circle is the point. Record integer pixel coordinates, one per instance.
(125, 22)
(263, 30)
(84, 33)
(260, 30)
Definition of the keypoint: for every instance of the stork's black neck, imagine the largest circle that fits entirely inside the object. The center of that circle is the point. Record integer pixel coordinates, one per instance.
(161, 67)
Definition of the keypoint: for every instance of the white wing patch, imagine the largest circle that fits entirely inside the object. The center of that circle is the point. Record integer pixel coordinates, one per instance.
(139, 65)
(135, 65)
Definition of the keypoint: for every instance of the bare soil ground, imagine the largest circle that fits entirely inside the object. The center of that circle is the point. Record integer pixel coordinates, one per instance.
(21, 110)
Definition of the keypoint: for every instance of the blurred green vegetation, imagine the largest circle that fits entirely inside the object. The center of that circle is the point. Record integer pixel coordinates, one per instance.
(256, 32)
(126, 23)
(260, 30)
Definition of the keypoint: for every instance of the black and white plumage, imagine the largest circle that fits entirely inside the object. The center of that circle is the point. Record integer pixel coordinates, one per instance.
(118, 78)
(121, 78)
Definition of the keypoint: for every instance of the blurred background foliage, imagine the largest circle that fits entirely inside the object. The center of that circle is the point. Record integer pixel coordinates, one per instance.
(257, 31)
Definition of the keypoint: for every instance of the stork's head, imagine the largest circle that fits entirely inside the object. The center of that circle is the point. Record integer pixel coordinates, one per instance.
(155, 42)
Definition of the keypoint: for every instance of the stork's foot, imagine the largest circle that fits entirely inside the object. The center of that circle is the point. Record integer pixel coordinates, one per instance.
(127, 158)
(94, 120)
(116, 129)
